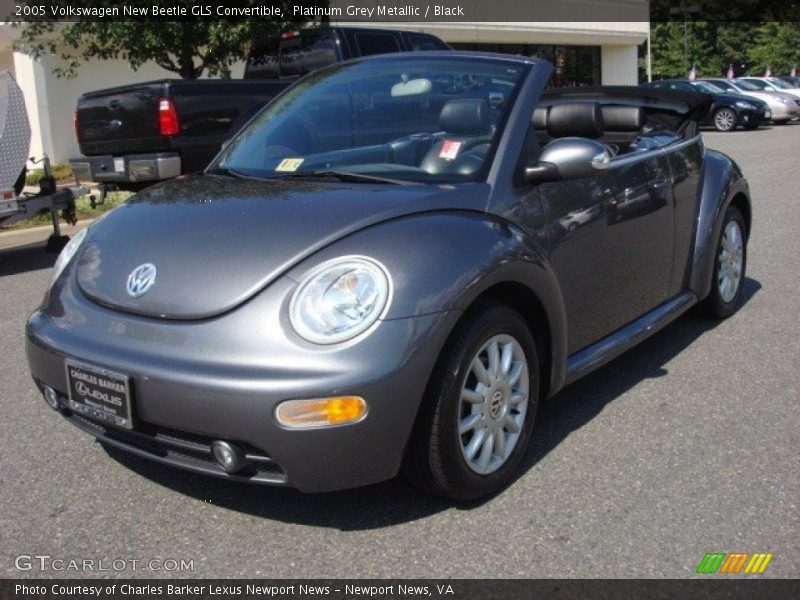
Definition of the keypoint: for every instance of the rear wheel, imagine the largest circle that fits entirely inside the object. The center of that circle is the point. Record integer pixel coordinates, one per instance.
(729, 267)
(725, 119)
(476, 419)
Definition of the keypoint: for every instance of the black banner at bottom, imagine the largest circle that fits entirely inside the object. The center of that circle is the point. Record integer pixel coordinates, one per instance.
(372, 589)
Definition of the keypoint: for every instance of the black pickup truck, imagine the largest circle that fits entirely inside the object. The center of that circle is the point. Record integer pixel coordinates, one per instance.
(133, 136)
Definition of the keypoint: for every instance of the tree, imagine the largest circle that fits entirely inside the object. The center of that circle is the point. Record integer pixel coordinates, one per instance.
(676, 47)
(189, 47)
(775, 45)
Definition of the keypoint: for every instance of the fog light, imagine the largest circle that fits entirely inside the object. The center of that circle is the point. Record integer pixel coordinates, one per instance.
(228, 456)
(321, 412)
(51, 397)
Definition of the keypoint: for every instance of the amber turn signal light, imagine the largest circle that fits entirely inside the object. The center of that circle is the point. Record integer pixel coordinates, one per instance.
(321, 412)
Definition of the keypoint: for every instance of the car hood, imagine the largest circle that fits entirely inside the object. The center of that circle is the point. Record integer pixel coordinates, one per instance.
(216, 241)
(768, 97)
(734, 98)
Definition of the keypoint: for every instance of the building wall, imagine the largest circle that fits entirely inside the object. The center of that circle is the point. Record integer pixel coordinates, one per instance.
(619, 65)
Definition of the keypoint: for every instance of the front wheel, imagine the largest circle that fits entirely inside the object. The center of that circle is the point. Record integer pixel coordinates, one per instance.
(725, 119)
(478, 412)
(729, 267)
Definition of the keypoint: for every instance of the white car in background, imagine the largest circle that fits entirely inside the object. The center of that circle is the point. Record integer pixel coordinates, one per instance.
(772, 84)
(784, 107)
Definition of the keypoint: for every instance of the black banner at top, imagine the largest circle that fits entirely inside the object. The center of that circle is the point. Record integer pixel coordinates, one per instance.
(410, 11)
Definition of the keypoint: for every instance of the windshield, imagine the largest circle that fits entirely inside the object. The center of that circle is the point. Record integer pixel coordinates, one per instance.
(780, 84)
(724, 85)
(752, 84)
(406, 119)
(707, 87)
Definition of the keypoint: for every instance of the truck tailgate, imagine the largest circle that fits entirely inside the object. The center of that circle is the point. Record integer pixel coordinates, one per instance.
(121, 120)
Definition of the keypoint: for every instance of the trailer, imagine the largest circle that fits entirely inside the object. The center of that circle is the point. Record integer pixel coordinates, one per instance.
(15, 138)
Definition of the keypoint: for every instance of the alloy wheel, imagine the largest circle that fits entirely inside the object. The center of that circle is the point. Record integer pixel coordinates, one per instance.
(494, 401)
(731, 258)
(725, 119)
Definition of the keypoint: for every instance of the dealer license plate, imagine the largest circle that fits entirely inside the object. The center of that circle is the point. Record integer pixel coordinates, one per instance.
(99, 393)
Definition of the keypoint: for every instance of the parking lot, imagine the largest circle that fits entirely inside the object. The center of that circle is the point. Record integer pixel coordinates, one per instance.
(686, 445)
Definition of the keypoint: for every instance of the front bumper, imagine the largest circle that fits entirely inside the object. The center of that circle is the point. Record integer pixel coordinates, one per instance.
(785, 112)
(753, 118)
(131, 168)
(221, 379)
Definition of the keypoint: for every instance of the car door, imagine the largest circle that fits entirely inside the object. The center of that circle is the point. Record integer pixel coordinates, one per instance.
(614, 263)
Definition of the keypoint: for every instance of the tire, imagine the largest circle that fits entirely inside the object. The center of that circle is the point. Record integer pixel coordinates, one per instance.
(436, 459)
(725, 119)
(722, 301)
(781, 121)
(572, 226)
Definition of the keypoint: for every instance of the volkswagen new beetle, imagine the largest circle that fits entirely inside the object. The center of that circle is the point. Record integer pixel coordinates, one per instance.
(384, 272)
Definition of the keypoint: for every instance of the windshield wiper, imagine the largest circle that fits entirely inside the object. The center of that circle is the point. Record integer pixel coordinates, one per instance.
(348, 176)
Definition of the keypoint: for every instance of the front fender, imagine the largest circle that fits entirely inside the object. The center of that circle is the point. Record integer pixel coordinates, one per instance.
(443, 261)
(721, 181)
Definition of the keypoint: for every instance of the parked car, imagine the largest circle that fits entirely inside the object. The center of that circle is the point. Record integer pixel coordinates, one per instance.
(784, 107)
(773, 84)
(132, 136)
(363, 282)
(728, 110)
(793, 81)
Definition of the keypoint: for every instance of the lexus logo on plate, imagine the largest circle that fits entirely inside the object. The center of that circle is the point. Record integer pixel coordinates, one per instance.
(141, 279)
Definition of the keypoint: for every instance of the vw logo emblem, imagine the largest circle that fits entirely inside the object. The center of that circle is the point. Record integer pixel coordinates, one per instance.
(141, 279)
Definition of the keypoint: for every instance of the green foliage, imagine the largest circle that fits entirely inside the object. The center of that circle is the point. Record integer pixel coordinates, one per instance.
(189, 48)
(776, 45)
(60, 171)
(749, 47)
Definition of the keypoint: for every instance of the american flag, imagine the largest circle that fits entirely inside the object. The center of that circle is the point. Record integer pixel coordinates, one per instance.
(730, 72)
(693, 73)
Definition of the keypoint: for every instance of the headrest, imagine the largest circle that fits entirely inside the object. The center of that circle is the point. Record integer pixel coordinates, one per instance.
(540, 118)
(622, 118)
(578, 119)
(465, 116)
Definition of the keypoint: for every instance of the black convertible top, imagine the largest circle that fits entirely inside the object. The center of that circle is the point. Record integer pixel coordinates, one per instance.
(677, 110)
(647, 97)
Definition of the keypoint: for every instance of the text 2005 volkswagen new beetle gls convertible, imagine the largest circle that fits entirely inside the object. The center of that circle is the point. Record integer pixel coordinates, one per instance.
(387, 270)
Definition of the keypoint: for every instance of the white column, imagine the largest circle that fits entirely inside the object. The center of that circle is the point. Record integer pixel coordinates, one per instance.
(619, 65)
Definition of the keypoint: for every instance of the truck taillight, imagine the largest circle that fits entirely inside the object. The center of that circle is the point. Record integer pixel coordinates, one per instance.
(75, 125)
(167, 117)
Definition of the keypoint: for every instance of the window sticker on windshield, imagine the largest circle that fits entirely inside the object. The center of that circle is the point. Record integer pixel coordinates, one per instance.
(450, 149)
(289, 165)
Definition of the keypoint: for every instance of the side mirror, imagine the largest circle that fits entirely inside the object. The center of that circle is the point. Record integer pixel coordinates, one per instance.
(569, 158)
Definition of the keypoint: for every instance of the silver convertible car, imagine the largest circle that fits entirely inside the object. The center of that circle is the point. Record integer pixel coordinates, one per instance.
(374, 275)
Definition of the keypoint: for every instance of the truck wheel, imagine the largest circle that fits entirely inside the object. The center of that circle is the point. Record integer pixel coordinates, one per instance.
(725, 119)
(729, 267)
(478, 412)
(19, 184)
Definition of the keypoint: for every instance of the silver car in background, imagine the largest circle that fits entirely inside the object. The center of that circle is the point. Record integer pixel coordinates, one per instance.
(773, 84)
(784, 107)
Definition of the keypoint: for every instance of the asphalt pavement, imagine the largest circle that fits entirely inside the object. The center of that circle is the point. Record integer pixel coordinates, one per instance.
(686, 445)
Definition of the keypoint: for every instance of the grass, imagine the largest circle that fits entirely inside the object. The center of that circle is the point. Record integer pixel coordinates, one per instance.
(61, 172)
(83, 210)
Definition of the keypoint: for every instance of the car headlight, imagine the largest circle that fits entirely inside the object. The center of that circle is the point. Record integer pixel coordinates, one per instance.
(340, 299)
(746, 105)
(67, 253)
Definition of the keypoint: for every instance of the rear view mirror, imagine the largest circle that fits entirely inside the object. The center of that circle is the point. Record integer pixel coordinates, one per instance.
(569, 158)
(412, 87)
